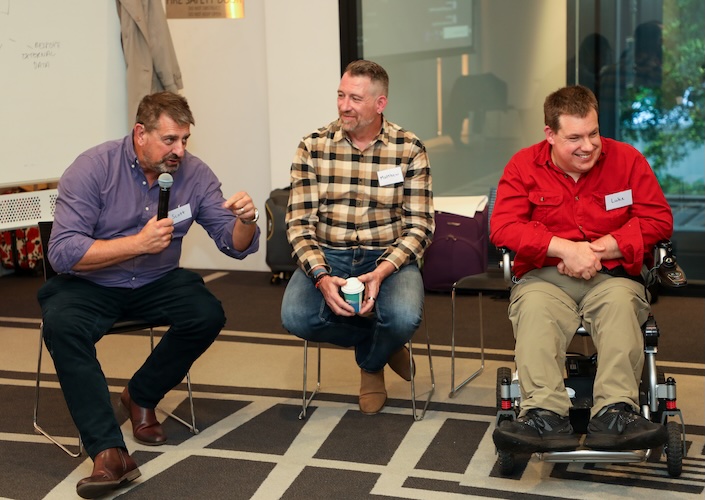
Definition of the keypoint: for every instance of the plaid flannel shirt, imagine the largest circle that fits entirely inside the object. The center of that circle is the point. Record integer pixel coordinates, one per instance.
(337, 201)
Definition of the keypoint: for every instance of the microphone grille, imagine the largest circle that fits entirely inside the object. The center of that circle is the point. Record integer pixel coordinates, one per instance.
(165, 180)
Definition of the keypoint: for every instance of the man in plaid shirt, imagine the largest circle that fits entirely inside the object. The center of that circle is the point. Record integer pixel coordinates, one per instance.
(361, 205)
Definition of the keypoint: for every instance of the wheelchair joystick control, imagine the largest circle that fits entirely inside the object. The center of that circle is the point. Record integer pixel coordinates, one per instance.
(670, 273)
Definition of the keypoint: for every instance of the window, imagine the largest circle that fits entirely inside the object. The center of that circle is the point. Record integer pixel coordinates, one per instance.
(469, 78)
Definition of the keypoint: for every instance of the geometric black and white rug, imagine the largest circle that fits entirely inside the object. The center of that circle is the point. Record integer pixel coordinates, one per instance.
(252, 444)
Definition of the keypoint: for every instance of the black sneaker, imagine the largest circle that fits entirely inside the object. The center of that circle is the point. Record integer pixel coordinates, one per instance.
(620, 427)
(537, 431)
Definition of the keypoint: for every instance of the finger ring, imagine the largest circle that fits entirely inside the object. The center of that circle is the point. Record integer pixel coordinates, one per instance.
(241, 210)
(371, 298)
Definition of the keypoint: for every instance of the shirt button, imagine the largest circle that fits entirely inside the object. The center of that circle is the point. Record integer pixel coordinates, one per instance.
(146, 208)
(541, 199)
(358, 203)
(134, 278)
(577, 198)
(144, 183)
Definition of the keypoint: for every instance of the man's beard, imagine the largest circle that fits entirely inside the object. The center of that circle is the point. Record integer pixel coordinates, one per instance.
(162, 166)
(357, 125)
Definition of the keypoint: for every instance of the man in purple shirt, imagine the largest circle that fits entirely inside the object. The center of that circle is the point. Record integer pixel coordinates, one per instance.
(116, 259)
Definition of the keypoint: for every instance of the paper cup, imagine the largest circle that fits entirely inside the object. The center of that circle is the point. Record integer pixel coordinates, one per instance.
(353, 291)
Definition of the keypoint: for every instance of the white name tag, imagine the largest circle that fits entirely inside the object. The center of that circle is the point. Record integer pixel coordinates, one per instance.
(619, 200)
(390, 176)
(180, 213)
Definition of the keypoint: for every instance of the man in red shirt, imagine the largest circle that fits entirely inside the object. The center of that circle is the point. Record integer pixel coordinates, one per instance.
(582, 213)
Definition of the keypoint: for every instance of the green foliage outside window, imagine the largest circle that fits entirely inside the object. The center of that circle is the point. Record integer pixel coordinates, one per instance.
(667, 115)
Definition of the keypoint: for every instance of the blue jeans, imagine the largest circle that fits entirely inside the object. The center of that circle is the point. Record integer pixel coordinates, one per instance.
(398, 309)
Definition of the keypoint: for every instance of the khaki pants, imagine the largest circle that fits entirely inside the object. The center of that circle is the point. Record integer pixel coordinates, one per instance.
(545, 310)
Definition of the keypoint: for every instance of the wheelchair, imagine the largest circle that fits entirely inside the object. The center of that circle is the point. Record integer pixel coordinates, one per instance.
(657, 394)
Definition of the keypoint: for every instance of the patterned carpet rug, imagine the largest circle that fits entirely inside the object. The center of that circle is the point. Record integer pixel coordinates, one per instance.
(251, 444)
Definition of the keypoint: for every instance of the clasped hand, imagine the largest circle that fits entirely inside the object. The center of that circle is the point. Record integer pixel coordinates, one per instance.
(584, 261)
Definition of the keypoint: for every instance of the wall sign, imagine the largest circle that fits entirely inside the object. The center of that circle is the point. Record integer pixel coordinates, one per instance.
(205, 9)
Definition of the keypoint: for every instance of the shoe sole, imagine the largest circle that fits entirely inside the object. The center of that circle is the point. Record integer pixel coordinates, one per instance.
(95, 490)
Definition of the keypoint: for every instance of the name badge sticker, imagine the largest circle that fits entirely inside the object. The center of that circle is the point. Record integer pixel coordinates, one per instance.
(180, 213)
(390, 176)
(619, 200)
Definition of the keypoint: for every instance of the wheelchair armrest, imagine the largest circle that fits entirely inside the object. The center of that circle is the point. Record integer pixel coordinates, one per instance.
(506, 264)
(669, 273)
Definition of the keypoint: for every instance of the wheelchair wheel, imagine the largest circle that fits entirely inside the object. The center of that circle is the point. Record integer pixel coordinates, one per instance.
(506, 462)
(674, 449)
(502, 373)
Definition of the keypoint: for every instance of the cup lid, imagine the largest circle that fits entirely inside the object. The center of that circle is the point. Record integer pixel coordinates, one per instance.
(353, 285)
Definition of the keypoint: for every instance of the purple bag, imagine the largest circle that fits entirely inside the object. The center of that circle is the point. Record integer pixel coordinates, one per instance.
(459, 249)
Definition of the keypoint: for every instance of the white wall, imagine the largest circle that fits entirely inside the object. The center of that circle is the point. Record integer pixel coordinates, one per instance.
(303, 66)
(256, 86)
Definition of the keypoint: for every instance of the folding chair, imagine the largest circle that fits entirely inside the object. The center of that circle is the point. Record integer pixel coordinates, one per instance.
(478, 283)
(418, 415)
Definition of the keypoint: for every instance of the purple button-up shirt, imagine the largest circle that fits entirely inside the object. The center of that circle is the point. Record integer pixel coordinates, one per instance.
(105, 195)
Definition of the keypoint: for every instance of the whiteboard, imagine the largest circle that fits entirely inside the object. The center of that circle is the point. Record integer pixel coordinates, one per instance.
(62, 84)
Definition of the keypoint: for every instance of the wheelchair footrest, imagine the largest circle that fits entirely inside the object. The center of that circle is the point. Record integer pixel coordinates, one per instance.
(595, 456)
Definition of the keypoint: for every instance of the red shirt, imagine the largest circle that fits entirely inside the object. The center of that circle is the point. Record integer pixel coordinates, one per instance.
(536, 201)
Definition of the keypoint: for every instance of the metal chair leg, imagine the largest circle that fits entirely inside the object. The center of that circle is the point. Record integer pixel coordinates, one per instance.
(453, 388)
(39, 429)
(307, 398)
(191, 426)
(415, 414)
(304, 400)
(35, 417)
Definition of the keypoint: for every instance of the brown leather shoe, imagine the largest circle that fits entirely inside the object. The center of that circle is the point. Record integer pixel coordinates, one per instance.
(399, 362)
(112, 469)
(145, 426)
(373, 394)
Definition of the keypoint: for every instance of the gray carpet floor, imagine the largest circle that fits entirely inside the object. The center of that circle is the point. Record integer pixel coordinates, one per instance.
(251, 444)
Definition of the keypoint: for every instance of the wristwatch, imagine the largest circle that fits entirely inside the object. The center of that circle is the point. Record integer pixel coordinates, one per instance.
(253, 220)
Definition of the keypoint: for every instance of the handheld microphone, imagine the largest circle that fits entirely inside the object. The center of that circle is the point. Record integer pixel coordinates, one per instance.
(165, 181)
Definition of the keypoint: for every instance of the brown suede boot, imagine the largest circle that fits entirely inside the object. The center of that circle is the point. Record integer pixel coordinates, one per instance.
(400, 363)
(373, 393)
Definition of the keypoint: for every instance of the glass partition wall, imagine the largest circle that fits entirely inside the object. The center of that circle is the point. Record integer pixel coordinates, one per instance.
(470, 76)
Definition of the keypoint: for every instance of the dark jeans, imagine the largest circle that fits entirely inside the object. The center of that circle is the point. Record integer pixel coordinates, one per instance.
(77, 313)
